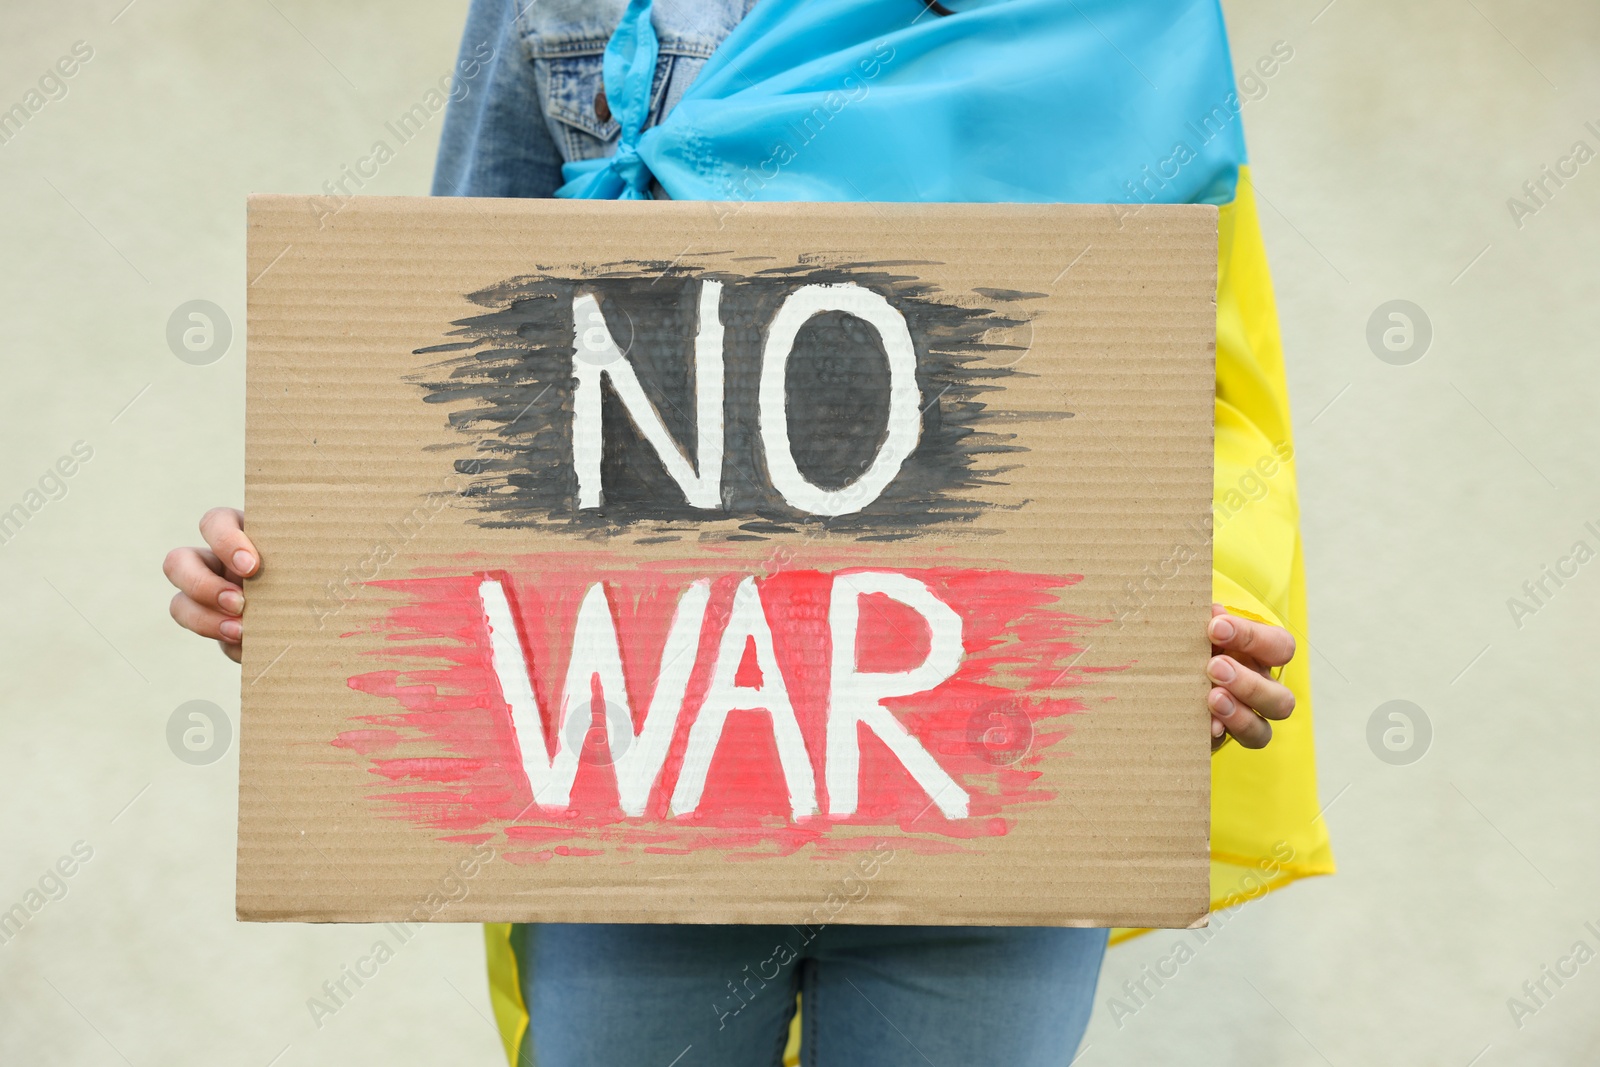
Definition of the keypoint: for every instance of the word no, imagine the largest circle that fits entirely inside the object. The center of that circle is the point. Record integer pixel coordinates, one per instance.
(597, 358)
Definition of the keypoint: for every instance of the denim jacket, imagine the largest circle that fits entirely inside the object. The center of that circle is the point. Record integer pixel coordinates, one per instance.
(528, 79)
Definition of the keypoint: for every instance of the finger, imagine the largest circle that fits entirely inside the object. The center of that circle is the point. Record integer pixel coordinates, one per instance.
(207, 622)
(232, 651)
(195, 572)
(1246, 727)
(1219, 733)
(1271, 645)
(223, 529)
(1255, 691)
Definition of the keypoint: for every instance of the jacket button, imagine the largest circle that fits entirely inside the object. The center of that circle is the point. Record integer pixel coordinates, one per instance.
(602, 109)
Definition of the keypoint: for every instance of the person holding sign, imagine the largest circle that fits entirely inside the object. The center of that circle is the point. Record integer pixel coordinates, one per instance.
(735, 101)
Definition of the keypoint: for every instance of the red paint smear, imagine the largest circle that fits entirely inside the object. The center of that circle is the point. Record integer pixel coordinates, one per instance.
(367, 742)
(452, 728)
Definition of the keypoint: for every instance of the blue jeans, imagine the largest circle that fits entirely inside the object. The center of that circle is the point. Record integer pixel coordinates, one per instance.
(881, 996)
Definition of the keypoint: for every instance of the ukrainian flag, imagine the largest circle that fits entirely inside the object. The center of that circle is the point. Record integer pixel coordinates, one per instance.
(1088, 101)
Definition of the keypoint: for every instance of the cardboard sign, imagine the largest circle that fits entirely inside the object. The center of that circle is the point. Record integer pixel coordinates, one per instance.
(678, 562)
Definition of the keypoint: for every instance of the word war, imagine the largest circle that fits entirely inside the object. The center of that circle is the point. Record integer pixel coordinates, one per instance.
(798, 695)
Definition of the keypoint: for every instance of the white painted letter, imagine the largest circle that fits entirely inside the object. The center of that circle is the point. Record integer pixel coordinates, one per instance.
(746, 622)
(637, 757)
(638, 764)
(905, 415)
(856, 699)
(596, 356)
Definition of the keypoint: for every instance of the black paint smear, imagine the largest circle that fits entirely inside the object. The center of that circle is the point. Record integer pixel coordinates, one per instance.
(509, 384)
(838, 388)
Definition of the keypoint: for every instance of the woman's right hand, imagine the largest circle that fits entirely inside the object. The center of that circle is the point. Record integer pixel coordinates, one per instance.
(210, 580)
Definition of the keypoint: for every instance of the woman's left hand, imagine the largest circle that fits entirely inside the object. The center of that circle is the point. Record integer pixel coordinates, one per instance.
(1243, 693)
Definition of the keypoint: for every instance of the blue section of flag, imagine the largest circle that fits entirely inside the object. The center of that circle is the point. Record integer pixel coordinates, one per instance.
(1087, 101)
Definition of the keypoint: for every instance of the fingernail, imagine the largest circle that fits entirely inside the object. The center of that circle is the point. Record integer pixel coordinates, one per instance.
(1220, 669)
(243, 562)
(1224, 703)
(1216, 728)
(1221, 629)
(231, 601)
(231, 630)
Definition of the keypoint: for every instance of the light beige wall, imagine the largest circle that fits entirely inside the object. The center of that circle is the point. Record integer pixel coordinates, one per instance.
(122, 201)
(1384, 153)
